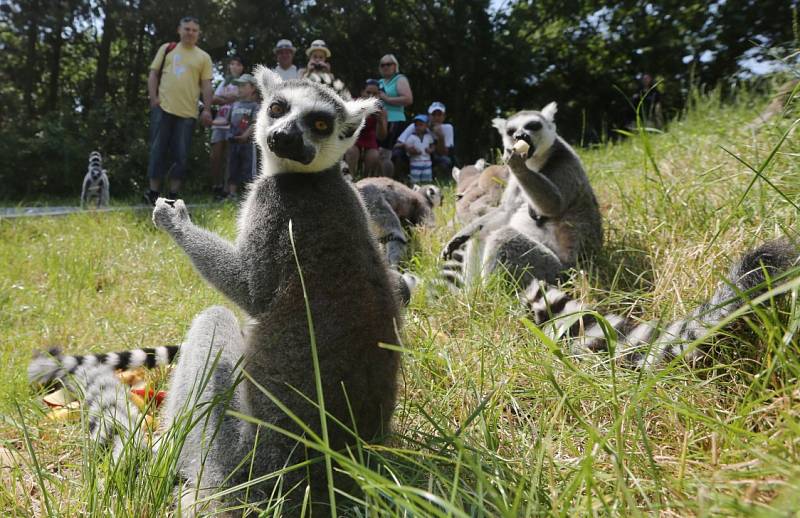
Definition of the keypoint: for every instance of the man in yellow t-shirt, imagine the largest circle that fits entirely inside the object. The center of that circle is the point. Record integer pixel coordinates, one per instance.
(178, 74)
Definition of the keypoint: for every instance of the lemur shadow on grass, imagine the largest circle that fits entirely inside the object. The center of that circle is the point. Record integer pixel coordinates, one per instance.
(622, 270)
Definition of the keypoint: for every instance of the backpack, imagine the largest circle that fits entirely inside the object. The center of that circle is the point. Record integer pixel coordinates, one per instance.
(170, 47)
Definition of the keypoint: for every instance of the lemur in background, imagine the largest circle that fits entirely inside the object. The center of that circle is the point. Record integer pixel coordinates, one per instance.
(95, 187)
(647, 345)
(548, 215)
(549, 186)
(391, 206)
(300, 215)
(479, 189)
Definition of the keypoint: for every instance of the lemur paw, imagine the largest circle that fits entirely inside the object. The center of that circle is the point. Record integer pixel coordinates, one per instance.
(515, 161)
(452, 246)
(169, 214)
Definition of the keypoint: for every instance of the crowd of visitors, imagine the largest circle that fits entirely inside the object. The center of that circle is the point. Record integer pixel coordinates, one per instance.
(389, 145)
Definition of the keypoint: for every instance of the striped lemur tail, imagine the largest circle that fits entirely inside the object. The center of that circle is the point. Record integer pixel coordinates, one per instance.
(111, 416)
(645, 345)
(48, 368)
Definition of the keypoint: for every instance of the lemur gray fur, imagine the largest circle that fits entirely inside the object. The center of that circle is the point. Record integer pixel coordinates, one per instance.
(303, 129)
(464, 176)
(647, 345)
(390, 205)
(479, 189)
(95, 187)
(548, 215)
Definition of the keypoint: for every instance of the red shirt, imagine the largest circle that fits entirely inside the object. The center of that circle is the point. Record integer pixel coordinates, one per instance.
(368, 138)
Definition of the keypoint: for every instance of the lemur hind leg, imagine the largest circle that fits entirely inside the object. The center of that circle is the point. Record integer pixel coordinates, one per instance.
(524, 258)
(204, 385)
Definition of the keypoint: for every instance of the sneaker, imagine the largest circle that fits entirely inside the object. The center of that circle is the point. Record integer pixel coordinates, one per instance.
(150, 197)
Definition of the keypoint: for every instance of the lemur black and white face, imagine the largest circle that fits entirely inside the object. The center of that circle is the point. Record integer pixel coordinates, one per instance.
(534, 127)
(303, 126)
(432, 193)
(97, 173)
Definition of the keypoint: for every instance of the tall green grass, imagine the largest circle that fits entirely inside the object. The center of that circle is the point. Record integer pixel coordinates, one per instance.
(492, 420)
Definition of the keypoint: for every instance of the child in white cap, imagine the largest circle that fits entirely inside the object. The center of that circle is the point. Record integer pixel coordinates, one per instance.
(419, 146)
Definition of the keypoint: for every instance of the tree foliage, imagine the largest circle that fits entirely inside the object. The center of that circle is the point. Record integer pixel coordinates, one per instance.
(74, 71)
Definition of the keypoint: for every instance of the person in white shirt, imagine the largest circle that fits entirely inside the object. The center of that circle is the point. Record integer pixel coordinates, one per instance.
(419, 146)
(443, 135)
(284, 53)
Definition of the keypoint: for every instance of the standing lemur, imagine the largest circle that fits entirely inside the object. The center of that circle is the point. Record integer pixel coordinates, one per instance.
(390, 205)
(95, 188)
(300, 216)
(548, 215)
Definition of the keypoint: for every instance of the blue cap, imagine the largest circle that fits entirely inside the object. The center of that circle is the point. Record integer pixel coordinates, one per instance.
(421, 117)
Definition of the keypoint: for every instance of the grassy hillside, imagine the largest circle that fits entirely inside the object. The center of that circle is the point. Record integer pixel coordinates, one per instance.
(491, 422)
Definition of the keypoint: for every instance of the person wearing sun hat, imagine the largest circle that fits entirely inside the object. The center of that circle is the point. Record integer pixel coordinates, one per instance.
(318, 54)
(284, 53)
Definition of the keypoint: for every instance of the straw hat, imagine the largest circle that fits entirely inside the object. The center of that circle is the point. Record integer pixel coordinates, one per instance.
(318, 45)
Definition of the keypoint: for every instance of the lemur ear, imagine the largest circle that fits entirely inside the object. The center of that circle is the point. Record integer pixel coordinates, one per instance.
(549, 111)
(267, 79)
(455, 173)
(416, 187)
(357, 111)
(500, 125)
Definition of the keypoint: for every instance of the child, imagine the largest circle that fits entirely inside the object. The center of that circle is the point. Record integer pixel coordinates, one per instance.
(224, 96)
(241, 156)
(419, 146)
(366, 146)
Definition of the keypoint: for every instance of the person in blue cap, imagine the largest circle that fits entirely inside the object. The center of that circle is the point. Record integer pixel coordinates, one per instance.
(419, 146)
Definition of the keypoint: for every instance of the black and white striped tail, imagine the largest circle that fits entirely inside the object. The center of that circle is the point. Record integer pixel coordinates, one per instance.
(47, 368)
(452, 271)
(111, 416)
(645, 345)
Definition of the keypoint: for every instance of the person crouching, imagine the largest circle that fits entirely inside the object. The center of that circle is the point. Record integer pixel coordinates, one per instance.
(419, 146)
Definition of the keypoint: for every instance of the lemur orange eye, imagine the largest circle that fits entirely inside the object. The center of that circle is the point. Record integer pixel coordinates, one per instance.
(320, 125)
(276, 110)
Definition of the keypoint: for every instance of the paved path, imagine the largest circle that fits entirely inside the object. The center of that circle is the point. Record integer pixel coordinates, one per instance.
(33, 212)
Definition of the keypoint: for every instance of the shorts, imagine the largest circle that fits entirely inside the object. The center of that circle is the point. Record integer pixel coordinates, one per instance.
(218, 135)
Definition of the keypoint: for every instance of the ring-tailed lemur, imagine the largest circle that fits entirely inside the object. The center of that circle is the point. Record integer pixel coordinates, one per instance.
(464, 176)
(95, 187)
(329, 80)
(645, 345)
(548, 215)
(478, 190)
(300, 216)
(390, 204)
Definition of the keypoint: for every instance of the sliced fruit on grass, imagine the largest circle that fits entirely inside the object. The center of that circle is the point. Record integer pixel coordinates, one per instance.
(59, 398)
(147, 394)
